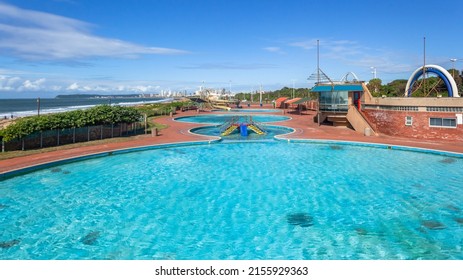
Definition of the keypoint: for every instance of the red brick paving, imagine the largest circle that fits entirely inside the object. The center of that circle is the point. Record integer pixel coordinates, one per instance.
(178, 132)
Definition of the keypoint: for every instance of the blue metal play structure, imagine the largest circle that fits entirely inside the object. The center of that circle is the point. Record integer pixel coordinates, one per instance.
(435, 69)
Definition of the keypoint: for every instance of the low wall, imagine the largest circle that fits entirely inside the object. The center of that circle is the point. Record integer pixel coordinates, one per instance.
(358, 122)
(419, 101)
(393, 123)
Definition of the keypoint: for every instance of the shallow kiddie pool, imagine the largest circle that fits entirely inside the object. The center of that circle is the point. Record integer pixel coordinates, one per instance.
(270, 131)
(223, 118)
(265, 131)
(243, 200)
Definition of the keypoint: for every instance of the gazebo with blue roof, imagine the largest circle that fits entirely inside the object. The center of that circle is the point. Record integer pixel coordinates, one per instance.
(334, 100)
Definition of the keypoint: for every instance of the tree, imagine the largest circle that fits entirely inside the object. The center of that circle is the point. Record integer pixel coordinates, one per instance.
(396, 88)
(458, 78)
(374, 86)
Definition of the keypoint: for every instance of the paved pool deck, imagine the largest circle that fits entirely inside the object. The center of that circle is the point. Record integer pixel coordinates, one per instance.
(305, 128)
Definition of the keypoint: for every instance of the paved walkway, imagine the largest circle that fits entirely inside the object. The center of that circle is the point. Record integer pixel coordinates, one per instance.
(178, 132)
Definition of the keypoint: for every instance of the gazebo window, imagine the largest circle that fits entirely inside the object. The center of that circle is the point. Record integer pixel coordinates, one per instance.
(334, 101)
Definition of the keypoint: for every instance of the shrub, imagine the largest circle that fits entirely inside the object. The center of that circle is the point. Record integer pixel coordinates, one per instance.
(98, 115)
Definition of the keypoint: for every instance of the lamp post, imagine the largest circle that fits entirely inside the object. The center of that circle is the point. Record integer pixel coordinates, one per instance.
(373, 71)
(293, 88)
(453, 60)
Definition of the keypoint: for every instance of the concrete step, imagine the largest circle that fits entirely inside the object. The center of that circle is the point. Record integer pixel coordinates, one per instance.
(338, 120)
(345, 124)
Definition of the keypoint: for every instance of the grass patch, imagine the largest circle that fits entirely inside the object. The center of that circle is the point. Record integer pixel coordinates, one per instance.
(152, 123)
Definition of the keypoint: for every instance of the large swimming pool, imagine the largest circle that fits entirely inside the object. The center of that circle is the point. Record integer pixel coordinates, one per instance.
(257, 200)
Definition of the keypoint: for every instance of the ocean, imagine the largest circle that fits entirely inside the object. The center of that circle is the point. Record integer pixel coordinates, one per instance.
(28, 107)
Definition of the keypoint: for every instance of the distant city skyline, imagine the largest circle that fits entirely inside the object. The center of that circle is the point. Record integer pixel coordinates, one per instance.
(51, 47)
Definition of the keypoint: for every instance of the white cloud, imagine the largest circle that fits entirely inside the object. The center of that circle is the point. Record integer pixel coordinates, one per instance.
(56, 88)
(42, 36)
(230, 66)
(112, 87)
(274, 50)
(12, 82)
(17, 84)
(73, 86)
(332, 48)
(120, 88)
(305, 44)
(4, 83)
(29, 85)
(352, 54)
(145, 88)
(9, 83)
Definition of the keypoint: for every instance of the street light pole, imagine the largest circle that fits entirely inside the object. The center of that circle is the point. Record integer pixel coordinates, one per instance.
(229, 90)
(453, 60)
(373, 72)
(293, 88)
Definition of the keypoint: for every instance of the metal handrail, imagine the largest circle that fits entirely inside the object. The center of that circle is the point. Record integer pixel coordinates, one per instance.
(227, 124)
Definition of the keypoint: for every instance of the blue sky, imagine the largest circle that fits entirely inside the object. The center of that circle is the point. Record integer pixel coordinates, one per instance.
(50, 47)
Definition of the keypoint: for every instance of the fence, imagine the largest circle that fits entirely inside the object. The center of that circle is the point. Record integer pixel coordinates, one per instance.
(57, 137)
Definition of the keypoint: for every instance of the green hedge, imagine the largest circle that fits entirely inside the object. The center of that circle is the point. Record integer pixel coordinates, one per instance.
(158, 109)
(98, 115)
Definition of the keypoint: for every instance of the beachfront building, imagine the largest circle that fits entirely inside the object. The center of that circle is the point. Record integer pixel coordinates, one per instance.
(351, 104)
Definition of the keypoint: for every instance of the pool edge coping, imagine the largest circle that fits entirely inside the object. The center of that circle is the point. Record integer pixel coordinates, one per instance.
(20, 171)
(371, 144)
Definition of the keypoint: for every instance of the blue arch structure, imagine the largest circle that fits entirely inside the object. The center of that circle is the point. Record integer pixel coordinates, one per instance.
(441, 72)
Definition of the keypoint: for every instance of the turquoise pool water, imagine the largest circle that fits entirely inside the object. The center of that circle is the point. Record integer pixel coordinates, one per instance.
(258, 200)
(220, 119)
(270, 132)
(256, 110)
